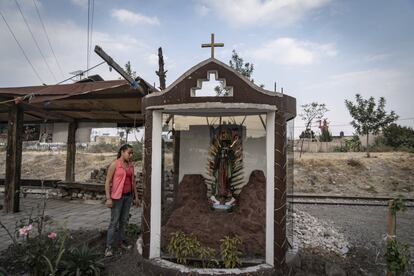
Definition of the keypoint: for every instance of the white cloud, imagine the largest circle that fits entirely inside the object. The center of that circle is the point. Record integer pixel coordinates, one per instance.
(152, 59)
(80, 3)
(129, 17)
(278, 12)
(202, 10)
(69, 46)
(289, 51)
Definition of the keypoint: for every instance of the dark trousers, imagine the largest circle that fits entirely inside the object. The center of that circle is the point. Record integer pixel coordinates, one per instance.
(119, 217)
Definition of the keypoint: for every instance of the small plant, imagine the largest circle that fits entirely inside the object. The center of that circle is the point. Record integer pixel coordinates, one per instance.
(208, 257)
(398, 204)
(133, 230)
(229, 251)
(82, 261)
(183, 246)
(354, 163)
(397, 257)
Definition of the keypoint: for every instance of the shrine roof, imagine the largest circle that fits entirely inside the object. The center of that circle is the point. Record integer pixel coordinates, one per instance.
(244, 91)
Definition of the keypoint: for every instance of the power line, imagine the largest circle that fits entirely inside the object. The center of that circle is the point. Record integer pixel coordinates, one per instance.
(91, 9)
(34, 39)
(21, 48)
(91, 30)
(48, 39)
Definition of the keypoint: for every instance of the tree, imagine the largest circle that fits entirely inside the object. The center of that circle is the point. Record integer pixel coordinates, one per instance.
(129, 71)
(238, 64)
(310, 113)
(399, 137)
(368, 117)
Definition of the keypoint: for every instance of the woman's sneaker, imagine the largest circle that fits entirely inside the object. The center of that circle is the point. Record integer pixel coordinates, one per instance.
(109, 252)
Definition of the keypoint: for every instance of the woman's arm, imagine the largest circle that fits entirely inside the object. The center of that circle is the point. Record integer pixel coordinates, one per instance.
(108, 180)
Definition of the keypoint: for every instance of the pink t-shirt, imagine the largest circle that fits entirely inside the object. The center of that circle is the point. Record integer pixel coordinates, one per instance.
(119, 179)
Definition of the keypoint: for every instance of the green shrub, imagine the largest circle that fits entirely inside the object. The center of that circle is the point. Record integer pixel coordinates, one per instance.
(133, 230)
(183, 246)
(137, 148)
(397, 257)
(399, 137)
(82, 261)
(229, 251)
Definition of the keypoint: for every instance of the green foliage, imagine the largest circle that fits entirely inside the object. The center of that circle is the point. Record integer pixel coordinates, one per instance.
(398, 205)
(238, 64)
(132, 230)
(208, 257)
(397, 257)
(229, 251)
(308, 134)
(54, 266)
(351, 145)
(137, 148)
(369, 117)
(183, 247)
(40, 253)
(129, 71)
(399, 137)
(325, 136)
(82, 261)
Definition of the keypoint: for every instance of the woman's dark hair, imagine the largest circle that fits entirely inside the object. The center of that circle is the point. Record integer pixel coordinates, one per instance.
(123, 148)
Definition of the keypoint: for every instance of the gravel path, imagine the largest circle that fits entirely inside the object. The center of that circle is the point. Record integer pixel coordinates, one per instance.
(364, 226)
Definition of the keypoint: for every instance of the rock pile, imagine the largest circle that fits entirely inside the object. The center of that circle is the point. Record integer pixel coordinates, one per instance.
(311, 232)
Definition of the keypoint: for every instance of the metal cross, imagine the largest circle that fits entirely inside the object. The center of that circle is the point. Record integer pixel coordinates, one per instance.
(212, 45)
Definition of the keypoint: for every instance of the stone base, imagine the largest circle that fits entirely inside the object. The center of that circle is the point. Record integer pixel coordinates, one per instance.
(159, 267)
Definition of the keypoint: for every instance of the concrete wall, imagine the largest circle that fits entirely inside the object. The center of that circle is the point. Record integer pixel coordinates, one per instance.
(83, 134)
(194, 147)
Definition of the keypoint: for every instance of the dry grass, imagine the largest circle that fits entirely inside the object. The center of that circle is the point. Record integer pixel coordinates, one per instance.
(386, 174)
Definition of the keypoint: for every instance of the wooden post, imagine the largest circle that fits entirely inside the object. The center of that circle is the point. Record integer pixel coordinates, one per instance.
(14, 159)
(390, 227)
(176, 160)
(71, 152)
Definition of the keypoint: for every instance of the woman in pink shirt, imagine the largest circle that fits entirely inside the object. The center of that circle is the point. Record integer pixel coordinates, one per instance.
(120, 193)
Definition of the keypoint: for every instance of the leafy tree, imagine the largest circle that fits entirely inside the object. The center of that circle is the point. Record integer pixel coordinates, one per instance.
(310, 113)
(398, 136)
(368, 117)
(325, 136)
(307, 134)
(238, 64)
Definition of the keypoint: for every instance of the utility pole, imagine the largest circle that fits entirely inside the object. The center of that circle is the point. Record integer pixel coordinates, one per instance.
(138, 83)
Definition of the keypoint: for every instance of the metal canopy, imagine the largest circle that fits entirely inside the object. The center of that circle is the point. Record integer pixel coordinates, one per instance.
(100, 101)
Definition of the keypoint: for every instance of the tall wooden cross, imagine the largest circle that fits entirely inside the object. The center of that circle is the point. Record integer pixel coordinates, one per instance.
(212, 45)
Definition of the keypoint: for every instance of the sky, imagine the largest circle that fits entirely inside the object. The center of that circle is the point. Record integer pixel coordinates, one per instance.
(322, 51)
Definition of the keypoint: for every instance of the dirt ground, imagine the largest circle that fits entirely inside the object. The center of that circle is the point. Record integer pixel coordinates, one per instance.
(51, 165)
(384, 174)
